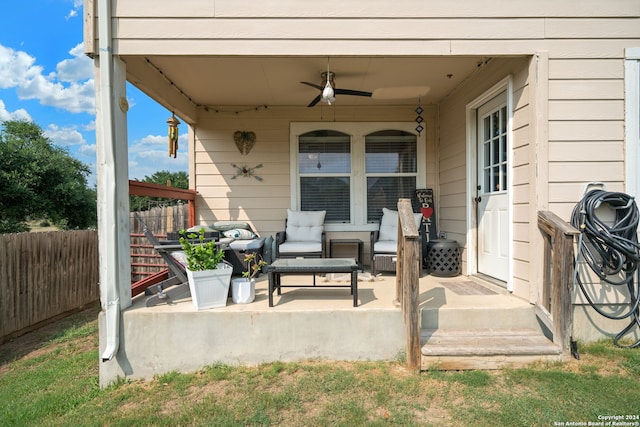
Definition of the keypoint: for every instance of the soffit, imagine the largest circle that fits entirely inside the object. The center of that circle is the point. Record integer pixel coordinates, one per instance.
(275, 81)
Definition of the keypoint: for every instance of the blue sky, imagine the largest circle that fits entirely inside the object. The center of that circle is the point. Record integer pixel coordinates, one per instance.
(46, 78)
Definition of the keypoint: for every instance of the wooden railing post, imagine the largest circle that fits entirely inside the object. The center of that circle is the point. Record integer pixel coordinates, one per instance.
(558, 284)
(407, 280)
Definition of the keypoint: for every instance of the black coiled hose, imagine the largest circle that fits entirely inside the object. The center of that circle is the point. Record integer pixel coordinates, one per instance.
(612, 252)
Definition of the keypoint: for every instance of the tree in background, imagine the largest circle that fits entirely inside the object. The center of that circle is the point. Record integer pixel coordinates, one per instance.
(39, 180)
(173, 179)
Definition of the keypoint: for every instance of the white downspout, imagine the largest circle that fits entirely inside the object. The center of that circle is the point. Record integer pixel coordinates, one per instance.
(107, 181)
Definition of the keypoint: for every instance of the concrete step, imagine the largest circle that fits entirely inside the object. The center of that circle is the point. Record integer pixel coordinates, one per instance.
(457, 349)
(517, 316)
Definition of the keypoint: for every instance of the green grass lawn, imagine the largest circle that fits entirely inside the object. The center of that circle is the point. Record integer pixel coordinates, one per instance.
(50, 378)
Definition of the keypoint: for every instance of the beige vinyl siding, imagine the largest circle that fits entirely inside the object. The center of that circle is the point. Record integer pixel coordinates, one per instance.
(572, 29)
(586, 128)
(568, 109)
(264, 203)
(372, 9)
(452, 164)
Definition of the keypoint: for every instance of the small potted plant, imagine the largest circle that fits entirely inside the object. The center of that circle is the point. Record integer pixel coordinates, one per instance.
(209, 275)
(243, 290)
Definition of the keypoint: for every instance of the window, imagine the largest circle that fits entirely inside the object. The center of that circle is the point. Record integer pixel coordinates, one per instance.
(353, 170)
(391, 169)
(494, 152)
(324, 162)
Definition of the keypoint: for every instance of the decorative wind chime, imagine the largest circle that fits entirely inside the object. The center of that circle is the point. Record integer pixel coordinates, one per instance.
(173, 123)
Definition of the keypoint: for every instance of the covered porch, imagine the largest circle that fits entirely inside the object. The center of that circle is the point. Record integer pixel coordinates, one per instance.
(316, 323)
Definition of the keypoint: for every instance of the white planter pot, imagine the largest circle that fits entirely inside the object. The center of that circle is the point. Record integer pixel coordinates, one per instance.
(243, 290)
(210, 288)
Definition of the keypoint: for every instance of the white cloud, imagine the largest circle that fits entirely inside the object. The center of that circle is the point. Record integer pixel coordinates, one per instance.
(19, 114)
(91, 126)
(78, 68)
(88, 150)
(64, 137)
(16, 67)
(150, 154)
(77, 5)
(71, 88)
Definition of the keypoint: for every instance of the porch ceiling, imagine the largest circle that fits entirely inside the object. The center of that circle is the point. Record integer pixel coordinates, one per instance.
(275, 81)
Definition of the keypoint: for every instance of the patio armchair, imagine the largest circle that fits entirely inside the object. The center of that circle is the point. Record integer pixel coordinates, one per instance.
(384, 241)
(303, 237)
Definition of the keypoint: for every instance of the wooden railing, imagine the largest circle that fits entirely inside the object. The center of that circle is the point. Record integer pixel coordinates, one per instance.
(137, 188)
(558, 276)
(147, 267)
(407, 280)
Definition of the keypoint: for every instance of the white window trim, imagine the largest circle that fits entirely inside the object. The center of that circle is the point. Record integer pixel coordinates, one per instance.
(631, 119)
(357, 131)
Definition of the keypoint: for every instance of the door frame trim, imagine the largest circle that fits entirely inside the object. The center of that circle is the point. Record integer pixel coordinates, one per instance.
(505, 84)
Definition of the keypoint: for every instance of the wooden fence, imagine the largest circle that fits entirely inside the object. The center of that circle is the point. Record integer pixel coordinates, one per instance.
(145, 261)
(45, 275)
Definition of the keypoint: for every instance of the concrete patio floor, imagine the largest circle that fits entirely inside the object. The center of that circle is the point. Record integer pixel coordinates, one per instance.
(304, 323)
(374, 293)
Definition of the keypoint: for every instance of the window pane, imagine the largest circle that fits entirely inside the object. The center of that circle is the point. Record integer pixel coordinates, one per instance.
(503, 169)
(391, 151)
(324, 151)
(326, 193)
(487, 180)
(496, 151)
(384, 192)
(487, 129)
(487, 153)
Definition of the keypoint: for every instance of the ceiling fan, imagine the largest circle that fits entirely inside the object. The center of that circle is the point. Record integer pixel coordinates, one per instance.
(328, 90)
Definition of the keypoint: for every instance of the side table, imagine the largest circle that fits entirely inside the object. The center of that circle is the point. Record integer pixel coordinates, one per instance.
(443, 258)
(348, 242)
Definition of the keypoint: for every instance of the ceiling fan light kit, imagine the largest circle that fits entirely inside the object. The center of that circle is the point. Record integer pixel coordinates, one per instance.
(328, 90)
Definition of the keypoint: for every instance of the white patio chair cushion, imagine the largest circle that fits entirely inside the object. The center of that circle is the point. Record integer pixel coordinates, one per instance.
(389, 224)
(245, 245)
(300, 247)
(385, 246)
(304, 226)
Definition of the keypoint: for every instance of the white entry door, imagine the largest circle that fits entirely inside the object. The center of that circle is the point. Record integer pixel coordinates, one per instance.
(492, 189)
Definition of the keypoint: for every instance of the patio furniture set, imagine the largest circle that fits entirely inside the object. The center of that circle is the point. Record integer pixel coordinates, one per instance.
(300, 250)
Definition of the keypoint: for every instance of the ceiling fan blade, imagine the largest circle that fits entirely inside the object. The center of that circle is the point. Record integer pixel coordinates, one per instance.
(313, 85)
(352, 92)
(315, 101)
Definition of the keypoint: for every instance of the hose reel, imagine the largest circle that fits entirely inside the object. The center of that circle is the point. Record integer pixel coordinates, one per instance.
(610, 248)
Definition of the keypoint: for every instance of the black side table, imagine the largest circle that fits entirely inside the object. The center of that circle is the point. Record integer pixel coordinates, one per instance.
(443, 258)
(348, 242)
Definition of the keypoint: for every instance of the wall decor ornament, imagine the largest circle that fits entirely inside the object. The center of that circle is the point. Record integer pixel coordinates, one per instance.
(245, 140)
(246, 171)
(419, 118)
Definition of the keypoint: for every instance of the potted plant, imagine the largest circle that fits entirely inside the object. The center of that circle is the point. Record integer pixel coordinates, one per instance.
(209, 275)
(243, 290)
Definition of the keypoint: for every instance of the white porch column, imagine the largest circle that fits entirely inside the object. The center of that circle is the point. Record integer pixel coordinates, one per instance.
(113, 186)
